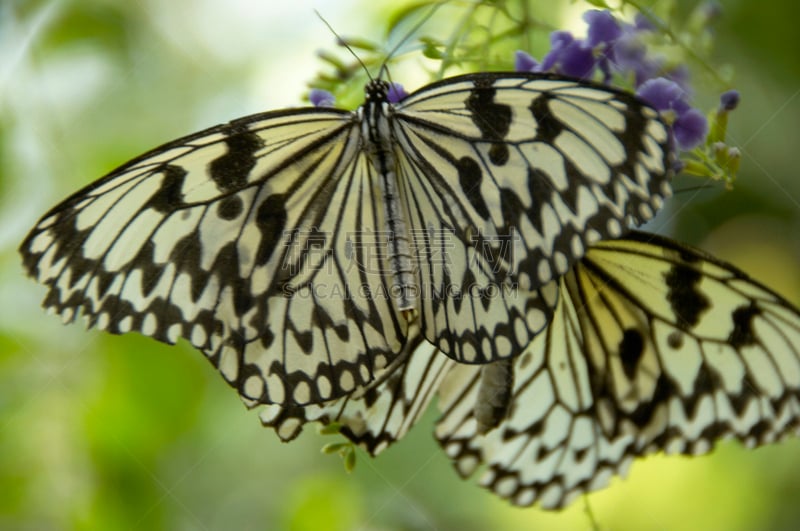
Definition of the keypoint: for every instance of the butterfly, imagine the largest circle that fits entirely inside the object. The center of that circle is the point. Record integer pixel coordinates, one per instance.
(654, 346)
(301, 250)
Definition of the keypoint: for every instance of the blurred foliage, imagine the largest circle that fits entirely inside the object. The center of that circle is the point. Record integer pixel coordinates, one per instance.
(102, 432)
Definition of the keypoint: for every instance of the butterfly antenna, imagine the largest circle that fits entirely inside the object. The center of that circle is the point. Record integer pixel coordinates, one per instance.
(342, 42)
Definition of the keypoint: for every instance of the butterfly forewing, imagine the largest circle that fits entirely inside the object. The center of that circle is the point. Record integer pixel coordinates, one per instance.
(653, 346)
(244, 239)
(508, 179)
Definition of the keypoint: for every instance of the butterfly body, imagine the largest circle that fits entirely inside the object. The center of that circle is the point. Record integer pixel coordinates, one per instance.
(376, 133)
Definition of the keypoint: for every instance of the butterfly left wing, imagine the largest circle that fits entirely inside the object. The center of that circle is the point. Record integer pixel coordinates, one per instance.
(508, 179)
(654, 346)
(253, 240)
(377, 415)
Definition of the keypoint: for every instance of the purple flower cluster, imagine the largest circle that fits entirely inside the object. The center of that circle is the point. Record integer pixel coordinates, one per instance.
(689, 125)
(615, 47)
(618, 50)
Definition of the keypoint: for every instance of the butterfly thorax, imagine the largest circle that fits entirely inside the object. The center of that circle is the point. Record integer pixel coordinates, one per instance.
(376, 134)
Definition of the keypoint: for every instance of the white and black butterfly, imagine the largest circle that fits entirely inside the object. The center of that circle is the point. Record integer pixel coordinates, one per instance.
(654, 346)
(300, 249)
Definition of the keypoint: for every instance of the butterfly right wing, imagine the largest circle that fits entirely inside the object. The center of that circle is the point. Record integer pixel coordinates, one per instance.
(248, 240)
(508, 178)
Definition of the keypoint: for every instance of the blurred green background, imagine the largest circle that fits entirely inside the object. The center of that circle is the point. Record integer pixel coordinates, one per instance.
(103, 432)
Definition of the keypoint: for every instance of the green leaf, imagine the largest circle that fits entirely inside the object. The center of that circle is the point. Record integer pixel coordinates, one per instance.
(332, 448)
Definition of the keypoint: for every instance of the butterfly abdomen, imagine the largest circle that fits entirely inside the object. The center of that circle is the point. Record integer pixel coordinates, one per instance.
(377, 137)
(494, 394)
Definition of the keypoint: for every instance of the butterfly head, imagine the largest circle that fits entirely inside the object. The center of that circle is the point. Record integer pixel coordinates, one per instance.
(376, 92)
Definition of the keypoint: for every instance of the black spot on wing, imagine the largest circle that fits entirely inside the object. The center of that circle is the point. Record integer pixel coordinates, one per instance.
(145, 261)
(547, 126)
(470, 177)
(267, 336)
(186, 256)
(271, 218)
(226, 269)
(541, 192)
(511, 207)
(492, 119)
(630, 352)
(675, 340)
(498, 154)
(169, 195)
(685, 299)
(230, 207)
(743, 334)
(230, 171)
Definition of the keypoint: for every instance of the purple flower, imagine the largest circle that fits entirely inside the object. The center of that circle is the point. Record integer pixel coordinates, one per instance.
(690, 129)
(689, 125)
(663, 94)
(729, 100)
(612, 46)
(558, 41)
(321, 98)
(396, 93)
(603, 28)
(577, 60)
(568, 56)
(523, 62)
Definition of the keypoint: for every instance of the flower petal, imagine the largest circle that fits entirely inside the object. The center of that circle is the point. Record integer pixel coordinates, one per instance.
(690, 129)
(603, 27)
(321, 98)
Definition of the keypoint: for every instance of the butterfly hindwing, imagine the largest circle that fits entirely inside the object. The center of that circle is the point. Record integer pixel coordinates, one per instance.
(654, 346)
(244, 239)
(509, 178)
(376, 416)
